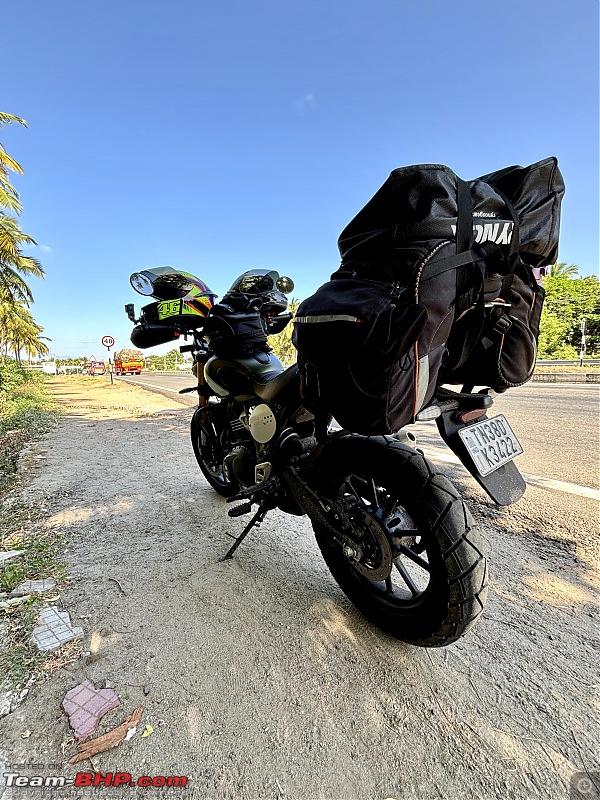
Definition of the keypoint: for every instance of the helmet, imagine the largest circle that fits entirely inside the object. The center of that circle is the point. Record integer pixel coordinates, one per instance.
(180, 294)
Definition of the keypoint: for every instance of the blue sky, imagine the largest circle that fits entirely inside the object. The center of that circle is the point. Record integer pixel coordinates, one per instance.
(217, 137)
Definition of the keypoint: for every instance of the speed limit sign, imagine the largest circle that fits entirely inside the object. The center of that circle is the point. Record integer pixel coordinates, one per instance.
(107, 341)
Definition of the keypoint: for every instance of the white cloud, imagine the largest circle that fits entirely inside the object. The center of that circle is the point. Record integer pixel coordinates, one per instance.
(305, 103)
(42, 248)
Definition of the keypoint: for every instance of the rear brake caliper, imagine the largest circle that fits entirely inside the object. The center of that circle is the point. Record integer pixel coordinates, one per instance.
(372, 553)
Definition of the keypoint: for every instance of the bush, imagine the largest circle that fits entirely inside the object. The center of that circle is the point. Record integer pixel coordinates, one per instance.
(11, 375)
(26, 413)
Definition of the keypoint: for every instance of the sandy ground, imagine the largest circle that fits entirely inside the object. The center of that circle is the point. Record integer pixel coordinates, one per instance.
(258, 678)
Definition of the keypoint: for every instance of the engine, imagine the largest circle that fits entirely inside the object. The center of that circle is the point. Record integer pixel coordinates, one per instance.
(240, 460)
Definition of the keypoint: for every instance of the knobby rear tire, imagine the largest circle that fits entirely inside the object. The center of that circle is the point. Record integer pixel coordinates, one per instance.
(455, 595)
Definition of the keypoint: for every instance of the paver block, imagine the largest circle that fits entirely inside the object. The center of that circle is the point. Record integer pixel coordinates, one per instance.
(54, 629)
(33, 587)
(6, 555)
(85, 706)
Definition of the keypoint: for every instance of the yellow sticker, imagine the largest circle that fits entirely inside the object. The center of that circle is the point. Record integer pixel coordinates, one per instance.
(168, 308)
(185, 309)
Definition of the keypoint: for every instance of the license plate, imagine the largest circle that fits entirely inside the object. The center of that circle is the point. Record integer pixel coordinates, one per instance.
(490, 443)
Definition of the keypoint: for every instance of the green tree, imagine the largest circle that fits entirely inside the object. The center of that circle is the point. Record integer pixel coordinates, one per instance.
(282, 342)
(567, 302)
(14, 265)
(9, 197)
(19, 331)
(562, 270)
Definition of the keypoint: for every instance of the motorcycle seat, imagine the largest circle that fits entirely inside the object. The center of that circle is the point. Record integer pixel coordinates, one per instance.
(269, 386)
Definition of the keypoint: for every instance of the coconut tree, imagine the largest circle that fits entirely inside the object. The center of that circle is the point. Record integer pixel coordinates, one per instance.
(9, 197)
(35, 346)
(14, 265)
(282, 342)
(562, 270)
(19, 331)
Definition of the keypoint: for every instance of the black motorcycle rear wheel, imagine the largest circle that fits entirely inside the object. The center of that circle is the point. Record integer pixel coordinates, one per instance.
(206, 432)
(408, 517)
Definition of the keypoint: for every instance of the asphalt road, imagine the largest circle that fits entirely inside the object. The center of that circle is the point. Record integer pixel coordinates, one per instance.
(557, 425)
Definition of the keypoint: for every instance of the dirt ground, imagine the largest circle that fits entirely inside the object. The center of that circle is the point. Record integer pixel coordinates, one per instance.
(257, 676)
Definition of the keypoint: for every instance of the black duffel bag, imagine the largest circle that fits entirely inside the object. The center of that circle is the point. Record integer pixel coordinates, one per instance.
(459, 258)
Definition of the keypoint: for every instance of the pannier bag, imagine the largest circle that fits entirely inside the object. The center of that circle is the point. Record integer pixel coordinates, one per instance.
(435, 285)
(354, 339)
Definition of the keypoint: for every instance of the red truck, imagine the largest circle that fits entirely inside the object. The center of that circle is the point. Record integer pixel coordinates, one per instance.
(128, 362)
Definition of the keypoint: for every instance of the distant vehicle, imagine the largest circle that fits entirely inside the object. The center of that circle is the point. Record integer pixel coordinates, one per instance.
(128, 362)
(96, 368)
(128, 367)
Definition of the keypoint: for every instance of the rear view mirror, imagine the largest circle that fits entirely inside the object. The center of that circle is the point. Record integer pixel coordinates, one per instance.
(141, 283)
(285, 284)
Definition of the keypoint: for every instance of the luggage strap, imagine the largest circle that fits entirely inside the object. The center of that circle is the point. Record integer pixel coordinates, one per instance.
(466, 257)
(465, 254)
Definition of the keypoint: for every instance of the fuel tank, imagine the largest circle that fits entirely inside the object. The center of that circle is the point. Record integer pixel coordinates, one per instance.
(228, 376)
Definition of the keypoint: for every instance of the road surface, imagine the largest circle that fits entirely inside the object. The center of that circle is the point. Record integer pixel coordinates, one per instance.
(557, 424)
(258, 678)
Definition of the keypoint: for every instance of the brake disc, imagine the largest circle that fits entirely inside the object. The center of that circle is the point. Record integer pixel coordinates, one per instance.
(382, 569)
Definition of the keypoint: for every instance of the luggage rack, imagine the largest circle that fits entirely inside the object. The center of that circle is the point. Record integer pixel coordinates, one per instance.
(466, 401)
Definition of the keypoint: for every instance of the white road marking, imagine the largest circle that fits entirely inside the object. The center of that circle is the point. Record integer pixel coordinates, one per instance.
(151, 385)
(437, 455)
(534, 480)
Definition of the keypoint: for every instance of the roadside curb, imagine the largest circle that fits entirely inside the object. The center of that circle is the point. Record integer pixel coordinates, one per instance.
(566, 377)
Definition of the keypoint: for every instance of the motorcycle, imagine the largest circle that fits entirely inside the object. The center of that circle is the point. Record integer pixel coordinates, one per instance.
(395, 533)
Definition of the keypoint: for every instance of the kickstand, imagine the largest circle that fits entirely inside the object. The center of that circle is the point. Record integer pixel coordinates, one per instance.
(255, 521)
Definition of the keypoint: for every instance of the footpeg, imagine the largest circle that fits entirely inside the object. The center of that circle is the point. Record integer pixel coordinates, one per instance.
(238, 511)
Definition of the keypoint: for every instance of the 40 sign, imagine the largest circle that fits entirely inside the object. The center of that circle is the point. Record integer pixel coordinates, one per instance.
(108, 341)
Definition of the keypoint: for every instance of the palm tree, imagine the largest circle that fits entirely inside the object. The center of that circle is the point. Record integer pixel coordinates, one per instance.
(19, 331)
(36, 346)
(562, 270)
(13, 263)
(282, 342)
(9, 197)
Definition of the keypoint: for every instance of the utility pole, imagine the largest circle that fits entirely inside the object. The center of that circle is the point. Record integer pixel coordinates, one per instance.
(583, 333)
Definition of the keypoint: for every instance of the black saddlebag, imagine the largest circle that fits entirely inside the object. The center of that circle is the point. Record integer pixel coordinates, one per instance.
(436, 281)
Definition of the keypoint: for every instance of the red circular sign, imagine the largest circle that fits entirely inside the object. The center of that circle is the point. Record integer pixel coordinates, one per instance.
(108, 341)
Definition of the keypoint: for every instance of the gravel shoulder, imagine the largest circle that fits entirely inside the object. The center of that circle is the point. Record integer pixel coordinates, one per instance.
(257, 676)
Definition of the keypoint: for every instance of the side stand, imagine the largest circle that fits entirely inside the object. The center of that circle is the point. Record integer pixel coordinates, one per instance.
(255, 521)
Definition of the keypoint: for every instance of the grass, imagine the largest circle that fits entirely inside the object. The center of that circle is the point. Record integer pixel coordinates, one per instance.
(38, 548)
(40, 557)
(20, 660)
(585, 369)
(26, 414)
